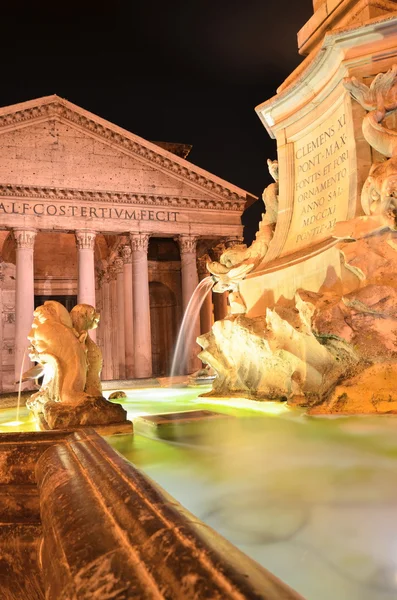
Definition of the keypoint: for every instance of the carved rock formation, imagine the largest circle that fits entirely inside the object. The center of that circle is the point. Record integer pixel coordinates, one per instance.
(275, 356)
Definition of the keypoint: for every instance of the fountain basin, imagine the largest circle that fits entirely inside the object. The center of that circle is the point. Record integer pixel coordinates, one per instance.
(104, 528)
(311, 499)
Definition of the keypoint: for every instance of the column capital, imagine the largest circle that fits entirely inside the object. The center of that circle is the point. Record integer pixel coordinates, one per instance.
(187, 243)
(202, 265)
(24, 238)
(118, 265)
(126, 254)
(233, 240)
(218, 250)
(112, 272)
(104, 276)
(85, 239)
(139, 241)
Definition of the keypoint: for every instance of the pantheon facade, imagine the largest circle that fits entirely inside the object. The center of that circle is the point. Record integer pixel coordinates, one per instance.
(91, 213)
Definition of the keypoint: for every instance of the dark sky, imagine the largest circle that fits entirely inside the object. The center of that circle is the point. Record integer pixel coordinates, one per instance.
(181, 71)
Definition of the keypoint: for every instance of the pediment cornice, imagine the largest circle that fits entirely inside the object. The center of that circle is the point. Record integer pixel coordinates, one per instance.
(76, 195)
(53, 107)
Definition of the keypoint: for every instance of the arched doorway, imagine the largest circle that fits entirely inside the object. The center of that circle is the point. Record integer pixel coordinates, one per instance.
(163, 325)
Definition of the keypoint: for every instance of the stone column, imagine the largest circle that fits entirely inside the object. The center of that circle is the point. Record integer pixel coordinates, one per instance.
(141, 305)
(114, 333)
(119, 267)
(99, 306)
(233, 240)
(220, 305)
(24, 297)
(187, 246)
(107, 371)
(220, 300)
(128, 313)
(85, 240)
(206, 309)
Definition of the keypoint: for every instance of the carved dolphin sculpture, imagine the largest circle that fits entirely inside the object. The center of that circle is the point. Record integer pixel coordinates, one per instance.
(228, 278)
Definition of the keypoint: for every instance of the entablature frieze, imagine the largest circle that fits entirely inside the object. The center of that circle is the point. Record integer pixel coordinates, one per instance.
(64, 213)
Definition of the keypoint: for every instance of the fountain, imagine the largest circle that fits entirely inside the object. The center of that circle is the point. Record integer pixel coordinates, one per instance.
(316, 327)
(311, 330)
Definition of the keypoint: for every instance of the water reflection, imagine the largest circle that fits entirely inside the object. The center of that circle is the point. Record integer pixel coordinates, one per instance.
(313, 500)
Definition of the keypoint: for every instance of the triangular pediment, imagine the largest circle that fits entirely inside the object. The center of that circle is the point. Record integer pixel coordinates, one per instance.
(51, 142)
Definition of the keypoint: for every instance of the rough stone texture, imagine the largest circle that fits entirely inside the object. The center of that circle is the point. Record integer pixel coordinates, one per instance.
(116, 395)
(371, 392)
(92, 411)
(275, 356)
(20, 524)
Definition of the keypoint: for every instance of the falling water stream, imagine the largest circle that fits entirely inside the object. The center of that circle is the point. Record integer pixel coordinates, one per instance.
(20, 388)
(188, 325)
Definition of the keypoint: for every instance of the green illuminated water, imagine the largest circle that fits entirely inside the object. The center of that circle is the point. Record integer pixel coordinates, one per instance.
(313, 500)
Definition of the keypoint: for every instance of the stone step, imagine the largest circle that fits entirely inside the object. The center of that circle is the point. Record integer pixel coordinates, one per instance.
(187, 425)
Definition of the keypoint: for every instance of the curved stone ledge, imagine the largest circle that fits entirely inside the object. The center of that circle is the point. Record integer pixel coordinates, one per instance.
(108, 532)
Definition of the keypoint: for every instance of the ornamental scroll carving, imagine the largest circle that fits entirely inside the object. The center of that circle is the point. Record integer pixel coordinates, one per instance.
(85, 240)
(118, 265)
(24, 238)
(126, 254)
(104, 277)
(112, 272)
(187, 244)
(139, 242)
(202, 265)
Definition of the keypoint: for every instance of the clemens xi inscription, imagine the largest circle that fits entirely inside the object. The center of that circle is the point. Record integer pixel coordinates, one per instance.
(321, 183)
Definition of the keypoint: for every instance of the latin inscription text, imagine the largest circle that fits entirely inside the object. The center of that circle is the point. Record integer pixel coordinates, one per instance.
(41, 209)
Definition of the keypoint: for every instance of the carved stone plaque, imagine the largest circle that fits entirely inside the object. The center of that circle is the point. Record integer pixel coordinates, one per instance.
(321, 181)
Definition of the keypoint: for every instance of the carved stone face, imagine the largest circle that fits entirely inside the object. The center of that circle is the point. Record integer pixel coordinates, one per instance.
(379, 195)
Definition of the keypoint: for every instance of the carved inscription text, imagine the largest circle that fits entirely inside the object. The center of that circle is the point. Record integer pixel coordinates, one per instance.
(41, 209)
(321, 185)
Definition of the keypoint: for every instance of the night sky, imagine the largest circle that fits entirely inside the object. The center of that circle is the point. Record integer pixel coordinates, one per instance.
(180, 71)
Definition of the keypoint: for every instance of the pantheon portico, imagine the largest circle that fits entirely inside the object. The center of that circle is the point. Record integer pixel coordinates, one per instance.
(91, 213)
